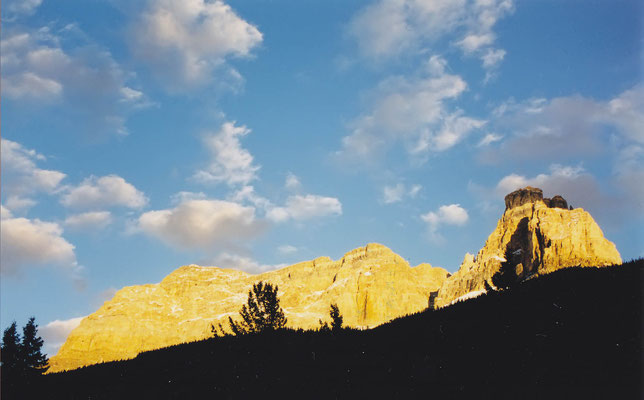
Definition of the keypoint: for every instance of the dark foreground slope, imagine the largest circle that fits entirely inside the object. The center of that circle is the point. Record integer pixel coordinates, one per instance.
(575, 333)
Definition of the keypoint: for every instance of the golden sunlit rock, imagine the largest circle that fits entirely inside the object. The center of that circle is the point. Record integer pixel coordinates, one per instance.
(543, 233)
(371, 285)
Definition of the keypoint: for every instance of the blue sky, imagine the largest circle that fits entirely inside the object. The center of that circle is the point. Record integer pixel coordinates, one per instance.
(142, 136)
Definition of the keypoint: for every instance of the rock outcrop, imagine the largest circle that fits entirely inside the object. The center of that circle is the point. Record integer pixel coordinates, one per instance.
(371, 285)
(540, 235)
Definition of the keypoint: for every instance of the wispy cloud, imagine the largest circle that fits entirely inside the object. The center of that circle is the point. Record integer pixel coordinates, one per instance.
(389, 28)
(231, 163)
(304, 207)
(413, 111)
(398, 192)
(22, 177)
(43, 67)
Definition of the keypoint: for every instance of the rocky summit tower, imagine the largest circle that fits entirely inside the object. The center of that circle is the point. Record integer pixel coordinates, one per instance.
(541, 235)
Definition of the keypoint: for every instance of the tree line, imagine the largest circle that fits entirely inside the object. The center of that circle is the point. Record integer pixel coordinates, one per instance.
(22, 359)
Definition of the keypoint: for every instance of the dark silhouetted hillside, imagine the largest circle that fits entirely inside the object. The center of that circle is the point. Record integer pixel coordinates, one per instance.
(575, 333)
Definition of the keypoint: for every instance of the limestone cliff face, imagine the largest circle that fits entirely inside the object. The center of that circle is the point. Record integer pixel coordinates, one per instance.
(371, 285)
(541, 235)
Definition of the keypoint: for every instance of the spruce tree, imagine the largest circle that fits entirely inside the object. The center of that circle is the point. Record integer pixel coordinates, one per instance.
(34, 361)
(11, 349)
(12, 368)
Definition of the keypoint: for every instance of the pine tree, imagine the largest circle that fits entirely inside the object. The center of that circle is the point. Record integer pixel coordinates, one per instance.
(35, 363)
(11, 356)
(262, 311)
(336, 318)
(11, 361)
(22, 360)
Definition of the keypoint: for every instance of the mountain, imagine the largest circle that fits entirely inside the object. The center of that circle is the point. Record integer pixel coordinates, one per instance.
(370, 284)
(573, 334)
(537, 235)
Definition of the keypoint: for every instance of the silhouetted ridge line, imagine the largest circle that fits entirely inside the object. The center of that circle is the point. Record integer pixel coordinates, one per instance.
(575, 333)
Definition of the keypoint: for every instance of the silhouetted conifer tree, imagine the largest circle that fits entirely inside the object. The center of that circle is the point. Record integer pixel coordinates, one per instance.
(506, 276)
(35, 362)
(262, 311)
(336, 320)
(218, 331)
(12, 366)
(10, 348)
(336, 317)
(22, 360)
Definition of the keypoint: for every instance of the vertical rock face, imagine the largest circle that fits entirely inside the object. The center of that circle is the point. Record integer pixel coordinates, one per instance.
(541, 235)
(371, 285)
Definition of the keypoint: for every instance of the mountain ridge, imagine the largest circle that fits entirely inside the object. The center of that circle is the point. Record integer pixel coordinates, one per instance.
(539, 340)
(370, 284)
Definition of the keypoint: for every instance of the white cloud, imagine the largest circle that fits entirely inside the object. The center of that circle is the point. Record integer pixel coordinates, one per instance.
(396, 193)
(17, 203)
(452, 214)
(21, 174)
(22, 7)
(489, 139)
(629, 175)
(413, 111)
(184, 42)
(612, 200)
(287, 249)
(5, 212)
(106, 191)
(388, 28)
(181, 197)
(29, 84)
(413, 191)
(231, 163)
(27, 243)
(473, 42)
(393, 194)
(247, 194)
(576, 185)
(37, 67)
(306, 207)
(292, 181)
(454, 129)
(55, 333)
(559, 178)
(243, 263)
(492, 57)
(202, 224)
(582, 128)
(569, 126)
(89, 220)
